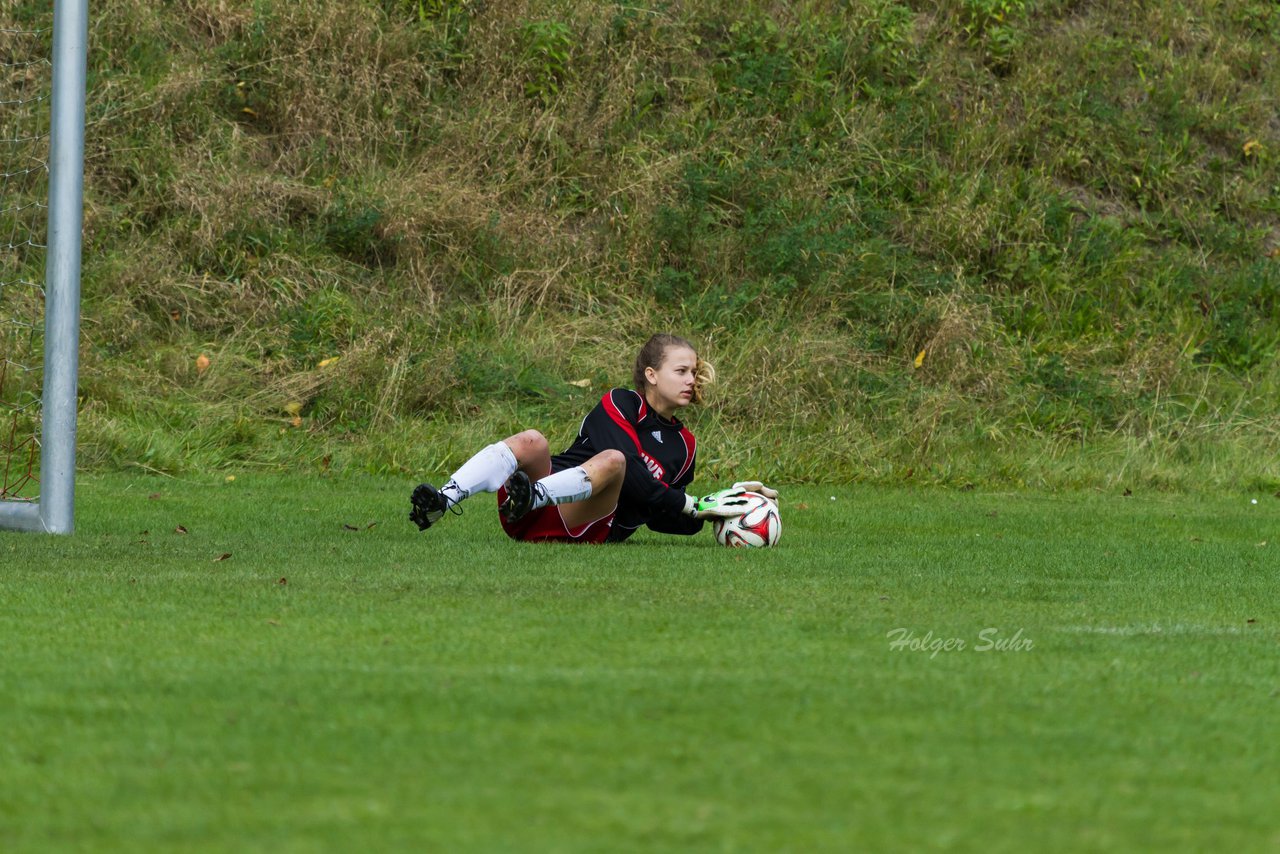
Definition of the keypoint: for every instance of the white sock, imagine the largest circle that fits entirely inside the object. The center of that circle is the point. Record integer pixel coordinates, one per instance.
(562, 487)
(484, 472)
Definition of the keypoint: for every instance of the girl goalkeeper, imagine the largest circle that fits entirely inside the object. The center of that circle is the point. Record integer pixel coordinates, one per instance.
(628, 467)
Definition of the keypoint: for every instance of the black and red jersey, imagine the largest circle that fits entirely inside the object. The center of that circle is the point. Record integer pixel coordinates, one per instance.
(660, 459)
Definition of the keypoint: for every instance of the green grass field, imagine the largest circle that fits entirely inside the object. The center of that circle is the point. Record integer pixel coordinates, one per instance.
(336, 686)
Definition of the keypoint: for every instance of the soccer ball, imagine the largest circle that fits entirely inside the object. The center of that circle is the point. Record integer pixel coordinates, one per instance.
(759, 527)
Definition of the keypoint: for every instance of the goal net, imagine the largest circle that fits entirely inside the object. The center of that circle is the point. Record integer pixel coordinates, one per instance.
(42, 71)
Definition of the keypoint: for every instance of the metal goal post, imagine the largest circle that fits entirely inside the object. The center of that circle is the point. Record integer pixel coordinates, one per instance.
(53, 510)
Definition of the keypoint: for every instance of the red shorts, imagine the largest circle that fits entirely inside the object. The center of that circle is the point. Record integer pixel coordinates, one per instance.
(547, 525)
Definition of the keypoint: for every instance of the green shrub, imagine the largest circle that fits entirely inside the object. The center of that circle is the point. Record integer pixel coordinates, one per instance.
(995, 25)
(545, 48)
(321, 327)
(354, 231)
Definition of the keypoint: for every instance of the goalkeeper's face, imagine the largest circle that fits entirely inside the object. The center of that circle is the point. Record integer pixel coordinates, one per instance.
(670, 385)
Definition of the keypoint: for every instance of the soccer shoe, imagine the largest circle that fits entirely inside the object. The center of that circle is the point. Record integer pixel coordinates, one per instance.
(519, 500)
(428, 506)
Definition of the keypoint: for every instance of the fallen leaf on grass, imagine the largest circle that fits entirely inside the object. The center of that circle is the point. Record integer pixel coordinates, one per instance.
(223, 556)
(181, 529)
(283, 580)
(155, 495)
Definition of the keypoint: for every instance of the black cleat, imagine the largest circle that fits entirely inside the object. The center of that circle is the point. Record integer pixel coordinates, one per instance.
(519, 499)
(429, 504)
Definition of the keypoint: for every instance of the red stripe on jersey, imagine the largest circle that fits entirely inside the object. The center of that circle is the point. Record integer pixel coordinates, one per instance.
(690, 448)
(615, 413)
(644, 408)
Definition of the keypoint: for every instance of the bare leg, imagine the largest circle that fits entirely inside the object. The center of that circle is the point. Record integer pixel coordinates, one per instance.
(605, 471)
(533, 455)
(485, 471)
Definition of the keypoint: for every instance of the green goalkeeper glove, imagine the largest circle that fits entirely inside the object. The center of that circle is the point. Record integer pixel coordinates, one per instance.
(724, 504)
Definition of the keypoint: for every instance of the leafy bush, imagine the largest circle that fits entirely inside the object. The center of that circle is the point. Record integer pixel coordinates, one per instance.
(545, 48)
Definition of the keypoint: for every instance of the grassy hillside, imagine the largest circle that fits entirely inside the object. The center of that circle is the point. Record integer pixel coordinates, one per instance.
(1000, 241)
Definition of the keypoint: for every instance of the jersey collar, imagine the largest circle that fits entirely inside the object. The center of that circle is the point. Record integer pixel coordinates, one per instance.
(646, 411)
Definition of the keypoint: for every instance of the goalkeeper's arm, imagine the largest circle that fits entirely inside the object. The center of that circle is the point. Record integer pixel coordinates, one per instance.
(696, 511)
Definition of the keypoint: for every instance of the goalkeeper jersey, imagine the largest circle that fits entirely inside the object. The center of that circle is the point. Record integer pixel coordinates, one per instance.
(660, 459)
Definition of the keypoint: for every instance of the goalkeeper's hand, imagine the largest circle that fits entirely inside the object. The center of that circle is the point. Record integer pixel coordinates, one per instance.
(757, 486)
(725, 504)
